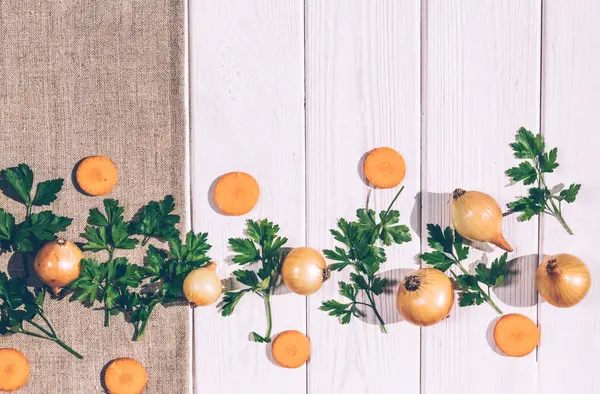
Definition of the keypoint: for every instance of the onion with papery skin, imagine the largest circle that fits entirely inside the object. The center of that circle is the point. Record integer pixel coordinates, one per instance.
(477, 216)
(58, 263)
(304, 270)
(563, 280)
(425, 297)
(202, 286)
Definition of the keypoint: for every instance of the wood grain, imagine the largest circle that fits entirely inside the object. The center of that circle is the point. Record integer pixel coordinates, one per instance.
(246, 65)
(362, 91)
(568, 356)
(481, 83)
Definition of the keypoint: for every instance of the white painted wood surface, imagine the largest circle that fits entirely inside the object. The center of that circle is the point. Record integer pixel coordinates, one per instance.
(362, 72)
(247, 115)
(295, 92)
(569, 355)
(482, 83)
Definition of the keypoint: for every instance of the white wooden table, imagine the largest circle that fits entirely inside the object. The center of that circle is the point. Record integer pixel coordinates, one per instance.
(295, 92)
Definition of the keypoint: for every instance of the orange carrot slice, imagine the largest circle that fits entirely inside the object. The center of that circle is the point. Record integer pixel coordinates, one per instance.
(384, 168)
(236, 193)
(516, 335)
(125, 376)
(291, 349)
(14, 370)
(96, 175)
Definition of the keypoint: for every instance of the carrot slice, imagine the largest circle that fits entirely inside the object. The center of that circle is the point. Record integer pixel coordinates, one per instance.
(384, 168)
(516, 335)
(125, 376)
(96, 175)
(236, 193)
(291, 349)
(14, 370)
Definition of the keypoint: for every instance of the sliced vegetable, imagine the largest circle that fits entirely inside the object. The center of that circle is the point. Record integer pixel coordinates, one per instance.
(384, 168)
(516, 335)
(125, 376)
(14, 370)
(236, 193)
(291, 349)
(477, 216)
(96, 175)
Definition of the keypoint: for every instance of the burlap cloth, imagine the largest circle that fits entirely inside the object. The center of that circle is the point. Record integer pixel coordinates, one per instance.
(81, 78)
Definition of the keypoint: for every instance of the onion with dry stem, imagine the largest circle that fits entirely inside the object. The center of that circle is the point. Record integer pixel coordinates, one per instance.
(304, 270)
(58, 263)
(563, 280)
(425, 297)
(478, 217)
(202, 286)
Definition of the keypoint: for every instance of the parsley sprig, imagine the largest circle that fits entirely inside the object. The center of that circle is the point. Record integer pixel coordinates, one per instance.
(360, 251)
(37, 228)
(537, 162)
(449, 254)
(262, 244)
(19, 305)
(168, 270)
(22, 310)
(156, 220)
(106, 282)
(136, 290)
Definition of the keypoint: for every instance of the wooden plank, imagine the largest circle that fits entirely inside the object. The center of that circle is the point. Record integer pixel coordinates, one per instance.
(569, 354)
(247, 84)
(481, 67)
(362, 69)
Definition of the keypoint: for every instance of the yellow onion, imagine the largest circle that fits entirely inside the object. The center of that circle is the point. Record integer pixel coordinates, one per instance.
(425, 297)
(563, 280)
(58, 263)
(202, 286)
(477, 216)
(304, 270)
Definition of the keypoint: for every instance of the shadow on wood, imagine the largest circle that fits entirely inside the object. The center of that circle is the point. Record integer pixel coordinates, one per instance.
(518, 288)
(489, 336)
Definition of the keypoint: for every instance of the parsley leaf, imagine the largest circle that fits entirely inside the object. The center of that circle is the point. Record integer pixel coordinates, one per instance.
(359, 250)
(46, 191)
(7, 225)
(20, 309)
(538, 162)
(156, 220)
(20, 181)
(38, 229)
(263, 245)
(569, 195)
(108, 232)
(449, 253)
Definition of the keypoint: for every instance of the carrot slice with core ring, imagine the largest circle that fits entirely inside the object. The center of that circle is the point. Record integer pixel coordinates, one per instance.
(291, 349)
(236, 193)
(384, 168)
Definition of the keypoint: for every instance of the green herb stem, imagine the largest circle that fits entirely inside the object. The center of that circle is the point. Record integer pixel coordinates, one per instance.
(485, 296)
(142, 328)
(52, 338)
(267, 298)
(374, 307)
